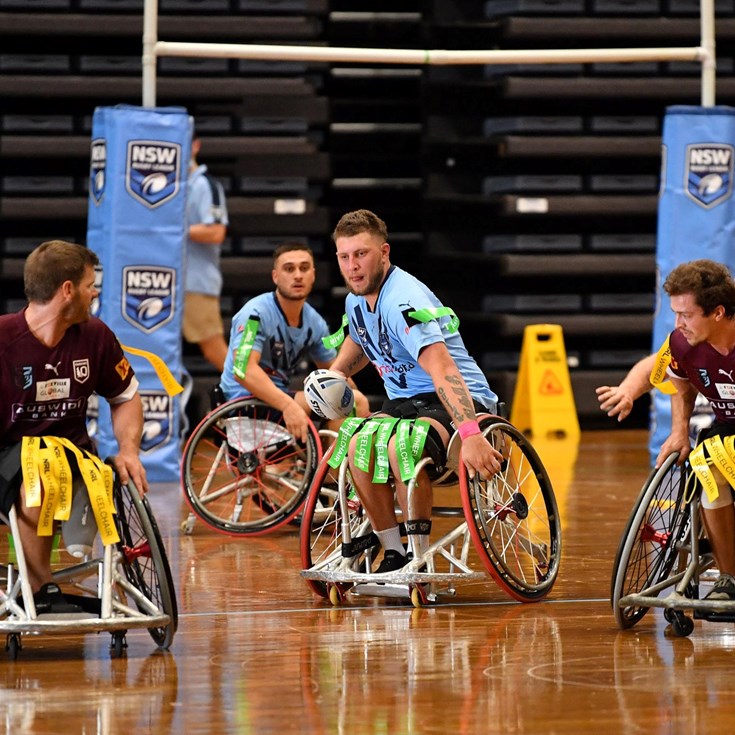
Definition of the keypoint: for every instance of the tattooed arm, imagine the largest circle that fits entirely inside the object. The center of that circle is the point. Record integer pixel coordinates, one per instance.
(449, 384)
(350, 360)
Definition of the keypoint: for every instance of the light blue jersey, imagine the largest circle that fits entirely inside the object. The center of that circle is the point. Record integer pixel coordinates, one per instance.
(281, 347)
(392, 340)
(205, 205)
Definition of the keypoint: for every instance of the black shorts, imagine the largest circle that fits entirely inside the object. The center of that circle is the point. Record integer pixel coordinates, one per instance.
(11, 475)
(427, 405)
(718, 428)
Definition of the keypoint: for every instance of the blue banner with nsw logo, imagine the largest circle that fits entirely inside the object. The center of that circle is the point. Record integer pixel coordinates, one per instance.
(696, 215)
(137, 226)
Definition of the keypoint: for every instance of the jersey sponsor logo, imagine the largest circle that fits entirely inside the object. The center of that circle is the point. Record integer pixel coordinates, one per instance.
(51, 390)
(123, 368)
(705, 378)
(148, 296)
(98, 169)
(725, 390)
(709, 173)
(152, 171)
(157, 419)
(24, 376)
(81, 370)
(46, 410)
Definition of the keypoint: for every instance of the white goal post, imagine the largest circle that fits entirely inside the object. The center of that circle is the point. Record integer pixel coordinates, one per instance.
(153, 48)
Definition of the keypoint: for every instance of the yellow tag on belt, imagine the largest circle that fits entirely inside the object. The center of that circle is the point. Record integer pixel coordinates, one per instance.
(48, 465)
(721, 455)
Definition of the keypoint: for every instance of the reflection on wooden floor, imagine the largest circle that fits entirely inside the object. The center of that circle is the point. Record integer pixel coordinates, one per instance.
(257, 653)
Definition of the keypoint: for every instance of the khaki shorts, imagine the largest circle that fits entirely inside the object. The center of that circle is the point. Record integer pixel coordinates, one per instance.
(202, 318)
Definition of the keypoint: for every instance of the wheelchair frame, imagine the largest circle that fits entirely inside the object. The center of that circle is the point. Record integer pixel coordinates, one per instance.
(676, 558)
(337, 548)
(233, 482)
(132, 582)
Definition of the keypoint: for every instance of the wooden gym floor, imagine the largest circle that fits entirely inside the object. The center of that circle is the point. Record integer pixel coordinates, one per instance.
(257, 653)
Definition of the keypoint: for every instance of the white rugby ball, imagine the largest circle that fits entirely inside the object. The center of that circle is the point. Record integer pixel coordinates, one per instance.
(328, 394)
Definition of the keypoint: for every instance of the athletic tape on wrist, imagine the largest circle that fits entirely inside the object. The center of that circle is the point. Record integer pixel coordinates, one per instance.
(469, 428)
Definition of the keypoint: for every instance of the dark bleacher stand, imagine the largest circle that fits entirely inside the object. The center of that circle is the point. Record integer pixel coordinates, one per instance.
(532, 124)
(128, 65)
(495, 8)
(40, 124)
(541, 243)
(620, 302)
(534, 302)
(175, 65)
(41, 5)
(34, 63)
(626, 8)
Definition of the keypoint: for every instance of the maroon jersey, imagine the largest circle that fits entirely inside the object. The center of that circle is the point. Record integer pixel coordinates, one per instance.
(44, 391)
(711, 373)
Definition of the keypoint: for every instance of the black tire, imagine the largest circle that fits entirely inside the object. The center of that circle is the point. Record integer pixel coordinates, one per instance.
(513, 517)
(144, 560)
(650, 544)
(243, 473)
(321, 527)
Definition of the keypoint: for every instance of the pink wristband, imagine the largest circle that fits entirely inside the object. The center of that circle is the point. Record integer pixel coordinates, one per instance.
(469, 428)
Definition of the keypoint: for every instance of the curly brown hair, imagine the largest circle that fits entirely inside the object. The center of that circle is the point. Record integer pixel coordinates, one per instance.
(709, 282)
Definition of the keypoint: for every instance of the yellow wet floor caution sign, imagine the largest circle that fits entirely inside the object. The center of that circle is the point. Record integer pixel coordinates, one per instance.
(543, 402)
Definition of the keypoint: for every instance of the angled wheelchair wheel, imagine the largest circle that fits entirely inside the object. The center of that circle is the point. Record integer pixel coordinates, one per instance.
(652, 539)
(322, 532)
(144, 559)
(512, 517)
(243, 473)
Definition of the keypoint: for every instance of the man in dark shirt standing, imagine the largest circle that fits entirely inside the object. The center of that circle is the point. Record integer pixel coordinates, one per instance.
(53, 356)
(702, 346)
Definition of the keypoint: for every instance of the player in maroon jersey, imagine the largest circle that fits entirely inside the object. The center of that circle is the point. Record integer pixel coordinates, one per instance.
(53, 356)
(702, 295)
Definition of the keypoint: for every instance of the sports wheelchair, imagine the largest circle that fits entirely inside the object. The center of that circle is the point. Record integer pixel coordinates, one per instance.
(664, 548)
(126, 585)
(243, 473)
(507, 526)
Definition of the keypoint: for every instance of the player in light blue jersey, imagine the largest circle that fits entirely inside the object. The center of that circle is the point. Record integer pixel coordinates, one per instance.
(273, 334)
(397, 324)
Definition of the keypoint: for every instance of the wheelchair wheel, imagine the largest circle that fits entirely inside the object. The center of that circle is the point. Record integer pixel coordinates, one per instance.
(144, 558)
(243, 473)
(651, 542)
(321, 528)
(513, 518)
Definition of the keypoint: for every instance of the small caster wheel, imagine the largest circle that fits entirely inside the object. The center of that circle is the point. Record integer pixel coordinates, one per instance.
(13, 646)
(682, 625)
(337, 594)
(187, 526)
(118, 644)
(669, 615)
(418, 595)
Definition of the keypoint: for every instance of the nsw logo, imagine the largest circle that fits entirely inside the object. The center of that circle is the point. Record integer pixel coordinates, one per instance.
(148, 296)
(152, 171)
(157, 419)
(709, 173)
(98, 169)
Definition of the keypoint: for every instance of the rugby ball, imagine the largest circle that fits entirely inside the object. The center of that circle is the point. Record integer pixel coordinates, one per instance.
(328, 394)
